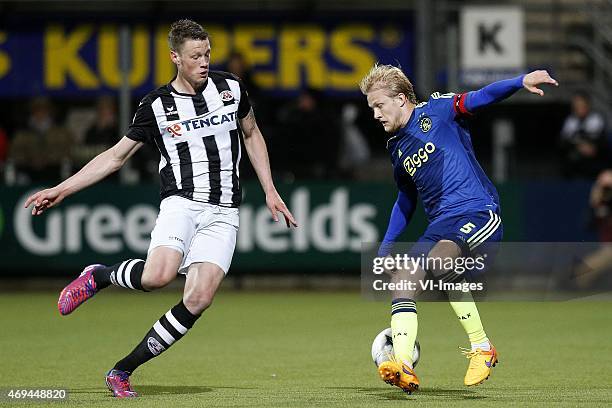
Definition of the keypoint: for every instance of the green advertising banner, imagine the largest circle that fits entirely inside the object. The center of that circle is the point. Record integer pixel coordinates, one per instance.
(108, 223)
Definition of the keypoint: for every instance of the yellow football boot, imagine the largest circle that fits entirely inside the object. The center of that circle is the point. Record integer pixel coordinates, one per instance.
(481, 364)
(400, 375)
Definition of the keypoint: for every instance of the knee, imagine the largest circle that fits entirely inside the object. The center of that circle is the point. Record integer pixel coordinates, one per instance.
(198, 301)
(438, 259)
(157, 278)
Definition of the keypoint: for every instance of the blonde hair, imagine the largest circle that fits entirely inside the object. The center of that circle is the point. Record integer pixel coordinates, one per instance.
(390, 78)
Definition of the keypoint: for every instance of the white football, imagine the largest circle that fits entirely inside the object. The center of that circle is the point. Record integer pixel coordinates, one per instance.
(382, 348)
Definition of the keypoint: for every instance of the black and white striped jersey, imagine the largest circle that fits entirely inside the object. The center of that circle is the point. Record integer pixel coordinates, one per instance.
(198, 138)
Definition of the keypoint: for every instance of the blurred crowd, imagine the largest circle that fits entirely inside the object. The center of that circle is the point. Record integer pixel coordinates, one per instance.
(310, 136)
(586, 154)
(307, 139)
(45, 150)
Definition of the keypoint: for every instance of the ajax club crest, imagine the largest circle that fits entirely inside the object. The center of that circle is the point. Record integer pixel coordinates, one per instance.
(425, 124)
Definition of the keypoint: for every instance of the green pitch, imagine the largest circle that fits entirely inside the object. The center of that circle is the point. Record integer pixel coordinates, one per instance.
(294, 349)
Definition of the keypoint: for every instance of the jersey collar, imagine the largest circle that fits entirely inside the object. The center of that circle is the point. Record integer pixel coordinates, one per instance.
(392, 141)
(198, 91)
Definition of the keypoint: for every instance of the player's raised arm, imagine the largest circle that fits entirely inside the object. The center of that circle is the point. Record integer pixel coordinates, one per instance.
(497, 91)
(98, 168)
(258, 154)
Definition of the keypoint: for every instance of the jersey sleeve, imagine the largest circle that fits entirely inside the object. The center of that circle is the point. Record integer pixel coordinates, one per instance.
(244, 107)
(454, 106)
(492, 93)
(449, 106)
(401, 214)
(144, 126)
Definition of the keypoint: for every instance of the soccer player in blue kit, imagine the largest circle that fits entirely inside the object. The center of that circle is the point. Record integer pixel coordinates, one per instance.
(432, 156)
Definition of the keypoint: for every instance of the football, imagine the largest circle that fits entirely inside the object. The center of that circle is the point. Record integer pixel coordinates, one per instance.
(382, 348)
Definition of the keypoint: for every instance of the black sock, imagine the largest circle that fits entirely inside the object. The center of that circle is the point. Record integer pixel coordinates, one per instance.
(167, 330)
(127, 274)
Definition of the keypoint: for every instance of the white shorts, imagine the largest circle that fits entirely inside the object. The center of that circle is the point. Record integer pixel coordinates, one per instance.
(202, 232)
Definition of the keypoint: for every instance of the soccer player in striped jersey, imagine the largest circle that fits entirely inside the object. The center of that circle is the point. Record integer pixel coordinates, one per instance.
(432, 156)
(196, 122)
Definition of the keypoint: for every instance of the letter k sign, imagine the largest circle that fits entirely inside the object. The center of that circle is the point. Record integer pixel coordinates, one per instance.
(487, 38)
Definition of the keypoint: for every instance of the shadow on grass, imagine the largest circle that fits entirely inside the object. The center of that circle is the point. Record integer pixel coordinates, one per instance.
(152, 389)
(171, 389)
(395, 394)
(88, 390)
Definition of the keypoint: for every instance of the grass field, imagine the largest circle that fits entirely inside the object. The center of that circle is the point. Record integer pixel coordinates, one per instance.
(300, 349)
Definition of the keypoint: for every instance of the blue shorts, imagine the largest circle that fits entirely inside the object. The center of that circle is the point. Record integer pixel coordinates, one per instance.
(477, 233)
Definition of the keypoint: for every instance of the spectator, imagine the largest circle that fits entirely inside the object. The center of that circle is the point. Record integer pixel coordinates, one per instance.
(310, 137)
(599, 261)
(355, 152)
(237, 65)
(41, 151)
(3, 145)
(583, 140)
(102, 134)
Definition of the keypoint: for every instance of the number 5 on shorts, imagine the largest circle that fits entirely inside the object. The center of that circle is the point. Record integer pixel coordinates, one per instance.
(467, 228)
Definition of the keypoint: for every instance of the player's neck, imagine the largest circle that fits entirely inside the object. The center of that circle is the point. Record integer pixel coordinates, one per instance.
(406, 114)
(183, 86)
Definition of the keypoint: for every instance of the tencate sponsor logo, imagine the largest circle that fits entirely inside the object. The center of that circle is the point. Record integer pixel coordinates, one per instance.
(333, 226)
(177, 129)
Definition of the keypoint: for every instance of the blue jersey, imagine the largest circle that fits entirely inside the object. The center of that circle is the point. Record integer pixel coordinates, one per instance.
(433, 155)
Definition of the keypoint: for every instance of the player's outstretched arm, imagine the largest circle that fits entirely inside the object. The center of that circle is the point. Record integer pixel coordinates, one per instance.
(99, 167)
(258, 154)
(500, 90)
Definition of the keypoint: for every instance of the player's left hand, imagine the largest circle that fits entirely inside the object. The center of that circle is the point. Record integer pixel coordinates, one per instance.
(535, 78)
(276, 204)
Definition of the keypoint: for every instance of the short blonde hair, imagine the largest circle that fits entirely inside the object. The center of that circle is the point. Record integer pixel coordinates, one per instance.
(390, 78)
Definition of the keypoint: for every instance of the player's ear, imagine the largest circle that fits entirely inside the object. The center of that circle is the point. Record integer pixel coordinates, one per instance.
(401, 99)
(174, 57)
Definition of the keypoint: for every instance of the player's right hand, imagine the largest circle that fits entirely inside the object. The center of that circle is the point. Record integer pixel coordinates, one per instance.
(44, 199)
(535, 78)
(275, 203)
